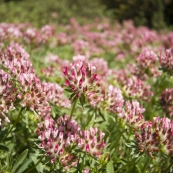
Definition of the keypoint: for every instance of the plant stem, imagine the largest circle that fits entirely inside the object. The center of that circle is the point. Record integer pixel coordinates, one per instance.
(129, 165)
(35, 164)
(146, 164)
(73, 107)
(20, 113)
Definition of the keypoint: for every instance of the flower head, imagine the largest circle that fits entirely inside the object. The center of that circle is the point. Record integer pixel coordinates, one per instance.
(132, 114)
(55, 94)
(135, 87)
(147, 139)
(164, 127)
(166, 61)
(114, 99)
(80, 77)
(91, 141)
(155, 136)
(56, 137)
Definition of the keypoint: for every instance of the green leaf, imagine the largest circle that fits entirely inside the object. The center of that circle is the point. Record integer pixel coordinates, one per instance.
(24, 166)
(19, 160)
(4, 148)
(82, 100)
(39, 167)
(110, 167)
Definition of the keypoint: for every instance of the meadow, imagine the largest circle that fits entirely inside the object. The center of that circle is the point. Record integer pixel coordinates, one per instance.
(95, 97)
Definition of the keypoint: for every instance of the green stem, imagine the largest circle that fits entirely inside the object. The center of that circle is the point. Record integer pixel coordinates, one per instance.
(73, 107)
(146, 164)
(20, 113)
(35, 164)
(129, 165)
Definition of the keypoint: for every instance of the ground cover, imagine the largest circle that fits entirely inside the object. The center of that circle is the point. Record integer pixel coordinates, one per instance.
(85, 98)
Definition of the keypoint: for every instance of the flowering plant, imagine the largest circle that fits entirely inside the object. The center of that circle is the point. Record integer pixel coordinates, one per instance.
(106, 109)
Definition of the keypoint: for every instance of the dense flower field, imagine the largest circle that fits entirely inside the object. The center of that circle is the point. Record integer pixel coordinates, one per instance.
(96, 98)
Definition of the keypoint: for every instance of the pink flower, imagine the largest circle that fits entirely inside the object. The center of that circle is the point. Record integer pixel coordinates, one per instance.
(87, 170)
(114, 99)
(166, 61)
(155, 136)
(147, 139)
(21, 73)
(164, 127)
(135, 87)
(147, 58)
(101, 65)
(55, 94)
(166, 101)
(132, 114)
(80, 77)
(56, 137)
(91, 141)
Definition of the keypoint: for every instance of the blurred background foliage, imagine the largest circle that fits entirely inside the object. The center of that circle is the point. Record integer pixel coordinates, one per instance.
(152, 13)
(42, 12)
(156, 14)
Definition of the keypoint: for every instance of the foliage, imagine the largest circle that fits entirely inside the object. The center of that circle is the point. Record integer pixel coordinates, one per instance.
(95, 98)
(43, 12)
(156, 14)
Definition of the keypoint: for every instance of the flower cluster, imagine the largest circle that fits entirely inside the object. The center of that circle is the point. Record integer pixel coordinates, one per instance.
(19, 82)
(80, 77)
(114, 99)
(91, 141)
(112, 72)
(155, 136)
(166, 101)
(166, 61)
(148, 60)
(58, 137)
(55, 94)
(164, 128)
(101, 65)
(147, 139)
(7, 96)
(132, 114)
(134, 87)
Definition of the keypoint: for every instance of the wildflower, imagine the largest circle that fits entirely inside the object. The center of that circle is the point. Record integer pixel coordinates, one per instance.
(80, 46)
(135, 87)
(33, 95)
(132, 114)
(56, 137)
(79, 58)
(87, 170)
(155, 136)
(147, 139)
(114, 99)
(63, 38)
(147, 60)
(15, 60)
(55, 94)
(164, 127)
(28, 87)
(47, 32)
(95, 97)
(8, 94)
(80, 77)
(91, 141)
(101, 65)
(166, 101)
(166, 61)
